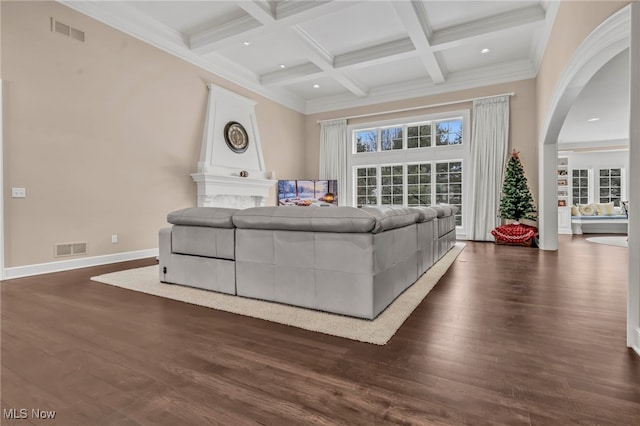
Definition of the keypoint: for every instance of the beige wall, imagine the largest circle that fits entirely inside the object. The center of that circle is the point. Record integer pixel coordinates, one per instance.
(574, 22)
(522, 126)
(104, 134)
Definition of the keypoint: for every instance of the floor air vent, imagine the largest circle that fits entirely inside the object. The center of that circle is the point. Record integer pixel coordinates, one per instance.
(66, 30)
(70, 249)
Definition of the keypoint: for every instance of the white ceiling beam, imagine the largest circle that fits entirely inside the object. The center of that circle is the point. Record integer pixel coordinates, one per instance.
(261, 19)
(261, 10)
(373, 55)
(233, 31)
(291, 75)
(297, 8)
(462, 34)
(379, 53)
(317, 54)
(415, 21)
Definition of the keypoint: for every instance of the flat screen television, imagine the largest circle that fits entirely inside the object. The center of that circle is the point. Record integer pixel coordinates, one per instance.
(308, 193)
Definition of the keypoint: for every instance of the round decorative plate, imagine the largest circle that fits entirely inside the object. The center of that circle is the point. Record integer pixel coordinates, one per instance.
(236, 137)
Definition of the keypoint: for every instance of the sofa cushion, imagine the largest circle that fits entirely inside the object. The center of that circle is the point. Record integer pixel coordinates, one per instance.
(203, 241)
(441, 210)
(426, 214)
(587, 209)
(319, 219)
(214, 217)
(391, 217)
(605, 209)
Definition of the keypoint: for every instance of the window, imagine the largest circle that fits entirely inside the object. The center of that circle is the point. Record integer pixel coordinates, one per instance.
(419, 184)
(449, 186)
(580, 186)
(392, 185)
(610, 185)
(391, 139)
(418, 161)
(366, 186)
(418, 135)
(366, 140)
(449, 133)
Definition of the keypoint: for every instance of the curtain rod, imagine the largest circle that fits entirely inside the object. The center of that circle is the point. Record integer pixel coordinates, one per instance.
(416, 108)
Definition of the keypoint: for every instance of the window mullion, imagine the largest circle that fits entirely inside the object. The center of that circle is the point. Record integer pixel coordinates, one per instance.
(404, 184)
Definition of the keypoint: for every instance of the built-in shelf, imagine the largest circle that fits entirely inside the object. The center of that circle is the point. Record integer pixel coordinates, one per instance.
(563, 184)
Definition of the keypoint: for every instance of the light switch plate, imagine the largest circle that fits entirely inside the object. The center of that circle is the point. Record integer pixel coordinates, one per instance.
(18, 193)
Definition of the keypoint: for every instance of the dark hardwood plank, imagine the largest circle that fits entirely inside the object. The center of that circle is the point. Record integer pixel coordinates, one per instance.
(510, 335)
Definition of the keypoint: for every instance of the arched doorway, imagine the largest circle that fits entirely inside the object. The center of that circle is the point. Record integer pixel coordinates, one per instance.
(605, 42)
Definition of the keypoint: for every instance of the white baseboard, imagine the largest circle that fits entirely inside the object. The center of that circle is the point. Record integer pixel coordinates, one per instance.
(636, 347)
(65, 265)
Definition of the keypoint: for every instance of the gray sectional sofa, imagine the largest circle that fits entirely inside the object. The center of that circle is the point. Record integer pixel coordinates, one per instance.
(337, 259)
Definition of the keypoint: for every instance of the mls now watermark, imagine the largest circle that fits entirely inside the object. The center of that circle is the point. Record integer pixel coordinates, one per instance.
(24, 413)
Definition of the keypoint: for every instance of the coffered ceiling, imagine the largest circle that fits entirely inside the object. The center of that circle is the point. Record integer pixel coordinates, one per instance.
(323, 55)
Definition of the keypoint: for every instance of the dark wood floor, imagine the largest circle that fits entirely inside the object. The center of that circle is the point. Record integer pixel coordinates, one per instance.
(510, 335)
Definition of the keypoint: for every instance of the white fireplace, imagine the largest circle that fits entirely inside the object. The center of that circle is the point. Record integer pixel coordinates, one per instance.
(220, 179)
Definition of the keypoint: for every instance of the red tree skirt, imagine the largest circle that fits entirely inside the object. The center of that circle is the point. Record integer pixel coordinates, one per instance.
(515, 234)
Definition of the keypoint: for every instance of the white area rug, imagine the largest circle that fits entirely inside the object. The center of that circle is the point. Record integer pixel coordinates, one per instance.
(620, 241)
(378, 331)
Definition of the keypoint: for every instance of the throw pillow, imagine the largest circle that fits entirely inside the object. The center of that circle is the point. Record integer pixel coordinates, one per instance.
(587, 210)
(605, 209)
(575, 211)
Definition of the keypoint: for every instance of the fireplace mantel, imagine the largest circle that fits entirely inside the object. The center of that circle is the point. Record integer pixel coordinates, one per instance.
(231, 191)
(218, 178)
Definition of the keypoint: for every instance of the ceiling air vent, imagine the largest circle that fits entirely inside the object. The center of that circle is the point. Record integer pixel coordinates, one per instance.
(66, 30)
(70, 249)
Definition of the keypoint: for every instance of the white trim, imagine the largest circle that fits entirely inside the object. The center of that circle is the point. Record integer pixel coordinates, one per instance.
(605, 42)
(131, 21)
(416, 108)
(538, 48)
(414, 155)
(65, 265)
(461, 80)
(1, 188)
(633, 284)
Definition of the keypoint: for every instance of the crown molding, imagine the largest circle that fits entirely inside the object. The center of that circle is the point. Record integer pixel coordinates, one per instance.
(539, 46)
(610, 144)
(136, 24)
(479, 77)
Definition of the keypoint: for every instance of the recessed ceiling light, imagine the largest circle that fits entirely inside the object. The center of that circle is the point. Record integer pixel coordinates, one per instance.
(591, 120)
(282, 65)
(485, 51)
(316, 86)
(246, 43)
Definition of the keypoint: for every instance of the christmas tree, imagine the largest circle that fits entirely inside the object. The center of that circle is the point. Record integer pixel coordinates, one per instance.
(516, 202)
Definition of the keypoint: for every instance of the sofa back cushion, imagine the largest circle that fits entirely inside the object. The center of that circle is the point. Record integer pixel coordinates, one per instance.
(441, 211)
(426, 214)
(214, 217)
(318, 219)
(391, 217)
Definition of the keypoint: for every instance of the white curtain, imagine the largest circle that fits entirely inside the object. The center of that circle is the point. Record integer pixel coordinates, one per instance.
(488, 156)
(333, 155)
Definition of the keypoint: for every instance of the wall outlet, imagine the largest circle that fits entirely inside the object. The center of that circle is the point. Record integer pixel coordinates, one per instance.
(114, 238)
(18, 193)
